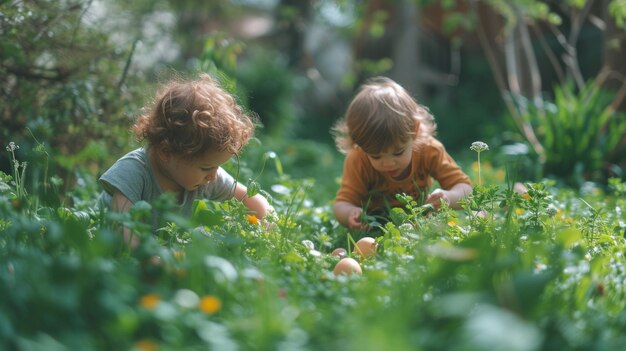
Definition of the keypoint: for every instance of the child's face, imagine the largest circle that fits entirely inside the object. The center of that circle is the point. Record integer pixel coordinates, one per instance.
(192, 174)
(393, 161)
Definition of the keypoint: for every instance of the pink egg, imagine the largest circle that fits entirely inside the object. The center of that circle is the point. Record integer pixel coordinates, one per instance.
(347, 266)
(340, 252)
(365, 247)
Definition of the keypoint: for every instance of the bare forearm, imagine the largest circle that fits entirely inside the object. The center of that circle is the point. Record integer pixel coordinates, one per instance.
(120, 203)
(347, 214)
(456, 193)
(257, 203)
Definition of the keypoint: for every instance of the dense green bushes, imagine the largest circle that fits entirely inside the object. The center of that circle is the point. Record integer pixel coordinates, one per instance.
(536, 271)
(541, 271)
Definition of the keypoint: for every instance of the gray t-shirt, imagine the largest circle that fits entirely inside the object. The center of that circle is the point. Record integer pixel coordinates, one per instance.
(132, 175)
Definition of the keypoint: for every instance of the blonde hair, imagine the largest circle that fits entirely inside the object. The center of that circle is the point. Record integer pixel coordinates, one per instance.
(190, 117)
(382, 115)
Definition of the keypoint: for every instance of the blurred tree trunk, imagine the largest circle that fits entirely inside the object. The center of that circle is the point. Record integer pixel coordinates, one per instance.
(614, 54)
(512, 61)
(369, 44)
(403, 42)
(504, 30)
(292, 18)
(407, 64)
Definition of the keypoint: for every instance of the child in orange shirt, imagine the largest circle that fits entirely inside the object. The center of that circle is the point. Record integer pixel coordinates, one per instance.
(390, 148)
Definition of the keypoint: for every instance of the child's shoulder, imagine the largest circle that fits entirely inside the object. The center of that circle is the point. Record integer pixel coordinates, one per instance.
(139, 153)
(356, 156)
(132, 159)
(355, 151)
(429, 143)
(136, 154)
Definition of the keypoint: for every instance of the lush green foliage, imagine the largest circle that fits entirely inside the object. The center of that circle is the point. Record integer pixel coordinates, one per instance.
(542, 270)
(537, 271)
(580, 133)
(65, 81)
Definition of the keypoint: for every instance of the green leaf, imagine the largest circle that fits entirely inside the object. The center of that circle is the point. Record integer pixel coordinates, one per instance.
(203, 215)
(253, 188)
(569, 237)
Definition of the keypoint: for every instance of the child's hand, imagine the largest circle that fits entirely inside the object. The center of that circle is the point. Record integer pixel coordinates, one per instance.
(349, 215)
(354, 219)
(436, 197)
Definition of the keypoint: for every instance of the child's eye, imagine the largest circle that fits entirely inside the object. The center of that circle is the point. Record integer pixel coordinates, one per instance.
(207, 169)
(374, 157)
(398, 153)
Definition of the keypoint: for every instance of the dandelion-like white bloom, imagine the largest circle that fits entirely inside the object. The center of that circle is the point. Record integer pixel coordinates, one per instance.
(479, 146)
(12, 146)
(308, 244)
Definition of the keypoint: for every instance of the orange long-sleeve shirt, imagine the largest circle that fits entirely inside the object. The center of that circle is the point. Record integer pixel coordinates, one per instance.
(365, 187)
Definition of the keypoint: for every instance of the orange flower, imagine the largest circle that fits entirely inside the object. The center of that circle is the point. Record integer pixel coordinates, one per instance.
(252, 219)
(150, 301)
(526, 196)
(146, 345)
(210, 304)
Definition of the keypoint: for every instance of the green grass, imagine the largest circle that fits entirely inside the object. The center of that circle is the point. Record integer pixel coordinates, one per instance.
(543, 271)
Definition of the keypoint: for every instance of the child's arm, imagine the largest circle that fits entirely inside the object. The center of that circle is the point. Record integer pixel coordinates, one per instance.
(257, 203)
(349, 215)
(120, 203)
(451, 196)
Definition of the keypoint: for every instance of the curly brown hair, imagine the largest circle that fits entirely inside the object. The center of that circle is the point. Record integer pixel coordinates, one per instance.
(190, 117)
(382, 115)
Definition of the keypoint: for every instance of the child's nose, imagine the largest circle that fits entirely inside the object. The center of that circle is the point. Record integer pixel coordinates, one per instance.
(388, 162)
(211, 176)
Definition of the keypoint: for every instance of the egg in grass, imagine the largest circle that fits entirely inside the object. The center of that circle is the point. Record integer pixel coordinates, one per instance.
(347, 266)
(340, 252)
(365, 247)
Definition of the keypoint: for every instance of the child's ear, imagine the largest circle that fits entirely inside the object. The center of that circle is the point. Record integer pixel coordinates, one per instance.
(163, 152)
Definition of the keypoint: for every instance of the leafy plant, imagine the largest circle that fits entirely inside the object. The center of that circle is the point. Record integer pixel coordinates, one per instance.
(19, 170)
(579, 131)
(221, 280)
(536, 202)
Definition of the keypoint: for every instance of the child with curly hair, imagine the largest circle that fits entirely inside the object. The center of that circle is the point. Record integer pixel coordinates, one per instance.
(191, 129)
(390, 148)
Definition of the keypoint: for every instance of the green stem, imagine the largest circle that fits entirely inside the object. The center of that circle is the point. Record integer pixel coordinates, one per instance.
(479, 179)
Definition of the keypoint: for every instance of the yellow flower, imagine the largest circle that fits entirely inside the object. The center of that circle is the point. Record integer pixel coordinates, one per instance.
(146, 345)
(500, 174)
(526, 196)
(179, 255)
(150, 301)
(452, 223)
(519, 211)
(210, 304)
(252, 219)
